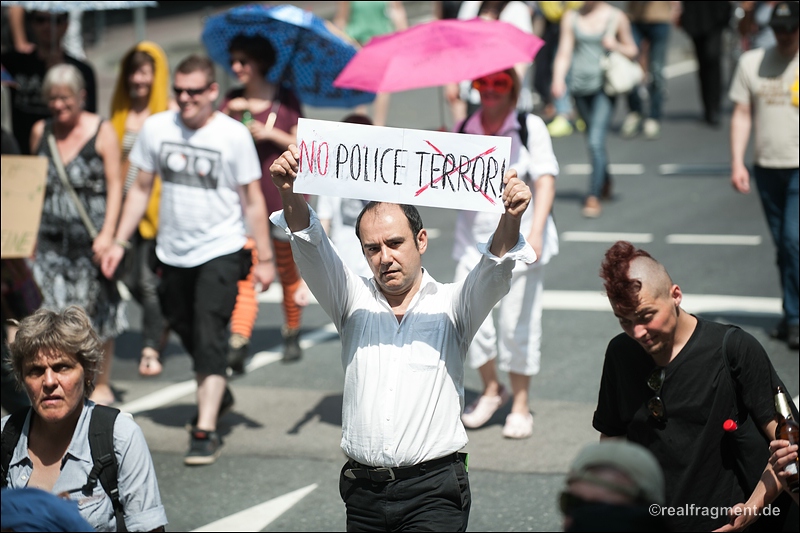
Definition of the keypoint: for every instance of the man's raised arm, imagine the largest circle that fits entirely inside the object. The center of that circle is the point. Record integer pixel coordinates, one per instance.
(284, 172)
(516, 197)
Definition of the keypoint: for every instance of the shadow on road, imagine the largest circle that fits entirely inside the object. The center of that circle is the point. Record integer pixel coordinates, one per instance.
(179, 415)
(327, 410)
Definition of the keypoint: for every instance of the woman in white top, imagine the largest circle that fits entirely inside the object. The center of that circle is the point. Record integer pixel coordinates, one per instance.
(520, 325)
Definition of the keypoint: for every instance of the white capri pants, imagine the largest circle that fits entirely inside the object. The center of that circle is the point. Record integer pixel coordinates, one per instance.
(520, 323)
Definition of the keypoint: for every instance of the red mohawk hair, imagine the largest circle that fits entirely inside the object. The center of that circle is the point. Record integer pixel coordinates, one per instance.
(621, 290)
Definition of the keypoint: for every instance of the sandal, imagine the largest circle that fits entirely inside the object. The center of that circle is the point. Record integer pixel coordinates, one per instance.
(150, 363)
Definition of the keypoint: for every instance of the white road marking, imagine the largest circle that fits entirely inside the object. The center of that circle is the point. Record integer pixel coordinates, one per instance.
(620, 169)
(689, 169)
(739, 240)
(159, 398)
(259, 516)
(679, 69)
(694, 303)
(176, 391)
(551, 299)
(599, 236)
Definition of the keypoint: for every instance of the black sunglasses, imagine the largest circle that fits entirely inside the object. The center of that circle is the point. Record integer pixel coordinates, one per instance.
(191, 92)
(656, 405)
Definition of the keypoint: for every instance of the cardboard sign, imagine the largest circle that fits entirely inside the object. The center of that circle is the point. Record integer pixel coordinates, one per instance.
(24, 178)
(430, 168)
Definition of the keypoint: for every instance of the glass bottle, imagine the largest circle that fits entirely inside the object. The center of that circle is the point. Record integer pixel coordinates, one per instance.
(788, 429)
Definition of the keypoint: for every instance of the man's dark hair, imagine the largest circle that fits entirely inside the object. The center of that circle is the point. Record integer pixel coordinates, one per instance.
(620, 288)
(257, 49)
(195, 63)
(358, 118)
(411, 213)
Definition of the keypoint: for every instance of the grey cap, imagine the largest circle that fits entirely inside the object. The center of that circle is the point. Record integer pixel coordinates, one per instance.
(633, 460)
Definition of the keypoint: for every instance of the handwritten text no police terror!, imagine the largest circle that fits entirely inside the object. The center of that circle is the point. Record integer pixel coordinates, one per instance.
(482, 174)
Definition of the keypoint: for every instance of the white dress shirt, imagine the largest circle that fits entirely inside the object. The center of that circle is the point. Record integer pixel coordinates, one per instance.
(404, 381)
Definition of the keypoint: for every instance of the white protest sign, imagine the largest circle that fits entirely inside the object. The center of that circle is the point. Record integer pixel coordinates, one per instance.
(430, 168)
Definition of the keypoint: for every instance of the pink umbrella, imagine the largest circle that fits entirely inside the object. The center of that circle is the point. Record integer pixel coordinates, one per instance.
(435, 53)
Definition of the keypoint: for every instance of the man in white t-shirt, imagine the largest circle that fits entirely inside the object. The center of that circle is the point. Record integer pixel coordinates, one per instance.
(765, 92)
(210, 176)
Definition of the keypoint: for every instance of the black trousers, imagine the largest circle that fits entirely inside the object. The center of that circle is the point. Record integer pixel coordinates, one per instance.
(439, 500)
(198, 303)
(708, 48)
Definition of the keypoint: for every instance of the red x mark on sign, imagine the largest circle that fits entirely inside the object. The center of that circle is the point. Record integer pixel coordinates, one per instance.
(458, 168)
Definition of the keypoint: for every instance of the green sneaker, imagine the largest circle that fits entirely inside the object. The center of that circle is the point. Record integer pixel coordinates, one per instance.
(630, 126)
(559, 127)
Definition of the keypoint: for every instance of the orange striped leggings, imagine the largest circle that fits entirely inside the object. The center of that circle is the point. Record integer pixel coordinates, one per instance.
(246, 310)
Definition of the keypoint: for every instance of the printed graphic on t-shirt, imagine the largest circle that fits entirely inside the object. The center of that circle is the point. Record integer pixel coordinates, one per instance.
(772, 92)
(28, 97)
(183, 164)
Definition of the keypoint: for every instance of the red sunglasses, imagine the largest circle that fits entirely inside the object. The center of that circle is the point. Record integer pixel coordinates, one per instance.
(500, 83)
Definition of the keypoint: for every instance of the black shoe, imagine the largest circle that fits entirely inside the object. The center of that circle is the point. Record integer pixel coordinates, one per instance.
(204, 447)
(225, 406)
(793, 336)
(605, 193)
(712, 118)
(780, 331)
(238, 350)
(291, 346)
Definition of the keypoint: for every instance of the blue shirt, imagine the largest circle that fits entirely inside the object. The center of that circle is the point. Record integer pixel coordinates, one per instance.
(138, 487)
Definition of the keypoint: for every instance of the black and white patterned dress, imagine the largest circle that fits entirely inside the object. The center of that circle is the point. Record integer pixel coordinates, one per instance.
(63, 265)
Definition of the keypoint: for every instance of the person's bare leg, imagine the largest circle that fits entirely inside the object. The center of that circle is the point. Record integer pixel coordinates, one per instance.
(519, 388)
(210, 389)
(380, 108)
(102, 393)
(488, 373)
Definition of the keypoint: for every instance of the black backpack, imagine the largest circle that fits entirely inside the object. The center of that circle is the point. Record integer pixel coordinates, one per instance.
(101, 443)
(522, 118)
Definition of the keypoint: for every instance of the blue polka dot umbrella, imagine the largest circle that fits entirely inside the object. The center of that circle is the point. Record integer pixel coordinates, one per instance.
(309, 54)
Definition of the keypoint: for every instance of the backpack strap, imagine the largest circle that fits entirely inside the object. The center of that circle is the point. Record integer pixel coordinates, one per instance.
(741, 410)
(105, 468)
(522, 118)
(10, 438)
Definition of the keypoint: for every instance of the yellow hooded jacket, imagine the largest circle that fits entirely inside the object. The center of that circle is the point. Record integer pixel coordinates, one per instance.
(159, 101)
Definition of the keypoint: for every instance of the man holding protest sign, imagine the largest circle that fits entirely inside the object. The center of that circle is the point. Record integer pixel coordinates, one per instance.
(404, 341)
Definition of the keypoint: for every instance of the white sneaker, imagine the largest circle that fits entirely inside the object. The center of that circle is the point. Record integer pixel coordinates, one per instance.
(630, 126)
(652, 129)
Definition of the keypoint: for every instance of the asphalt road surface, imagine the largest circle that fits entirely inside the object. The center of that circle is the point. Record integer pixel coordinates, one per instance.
(280, 463)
